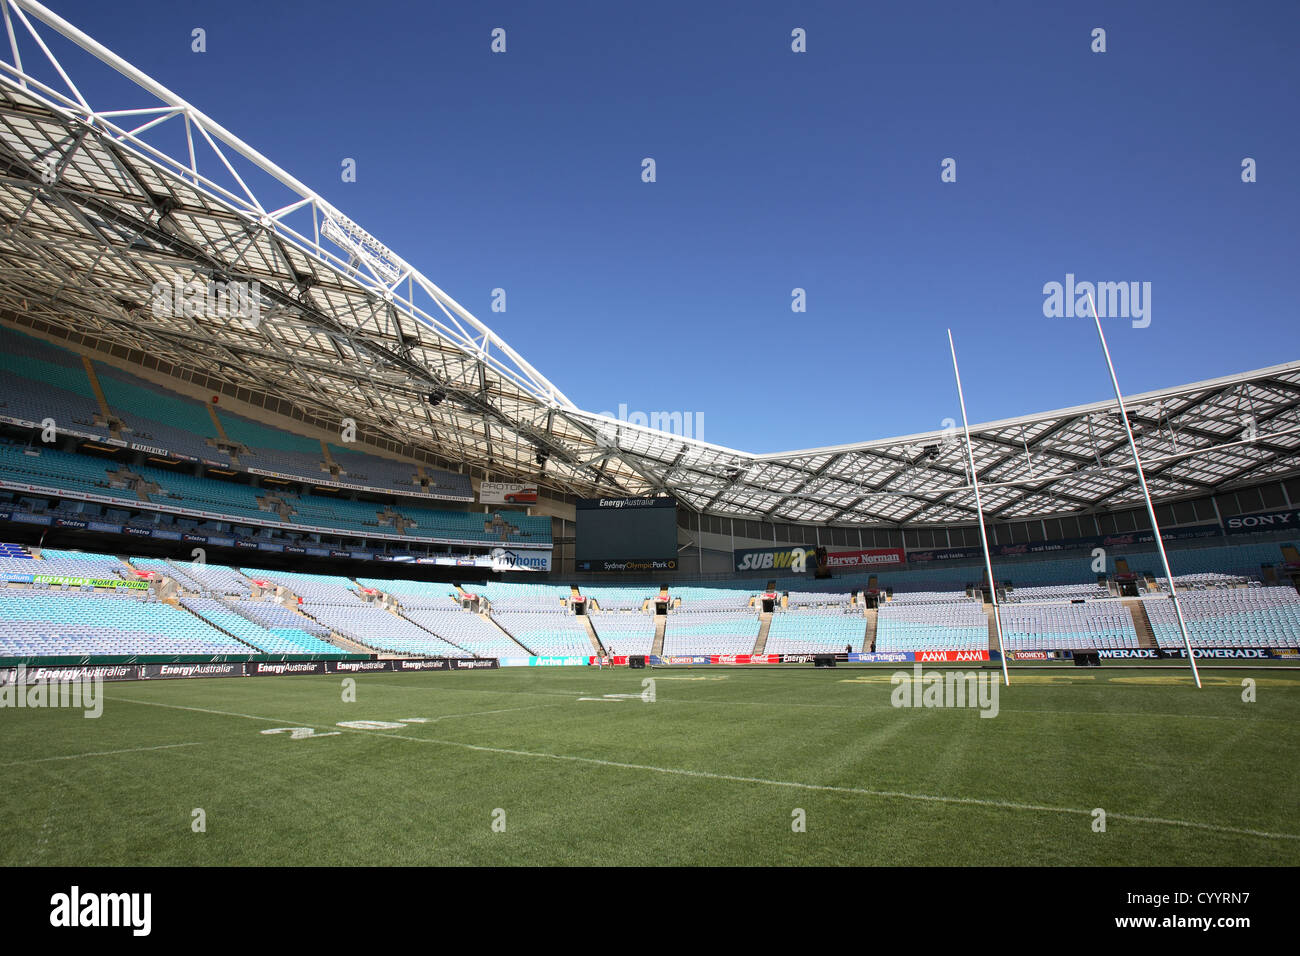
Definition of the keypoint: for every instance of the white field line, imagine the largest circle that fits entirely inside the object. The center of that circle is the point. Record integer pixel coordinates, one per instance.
(855, 707)
(98, 753)
(732, 778)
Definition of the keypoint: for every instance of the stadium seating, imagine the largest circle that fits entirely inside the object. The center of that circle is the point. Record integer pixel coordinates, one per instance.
(711, 632)
(932, 625)
(815, 632)
(1228, 617)
(625, 632)
(75, 622)
(546, 633)
(1088, 626)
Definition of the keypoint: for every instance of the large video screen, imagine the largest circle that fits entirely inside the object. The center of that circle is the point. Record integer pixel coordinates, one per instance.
(626, 534)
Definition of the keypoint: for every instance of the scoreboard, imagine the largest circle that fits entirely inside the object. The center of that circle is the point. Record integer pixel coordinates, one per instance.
(626, 534)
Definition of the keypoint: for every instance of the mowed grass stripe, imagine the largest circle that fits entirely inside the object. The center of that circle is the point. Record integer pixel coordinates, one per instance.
(734, 778)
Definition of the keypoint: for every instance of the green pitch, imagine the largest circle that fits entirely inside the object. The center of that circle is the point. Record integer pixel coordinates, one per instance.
(732, 767)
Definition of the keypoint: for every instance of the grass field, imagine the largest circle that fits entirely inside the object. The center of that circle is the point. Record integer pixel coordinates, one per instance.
(711, 772)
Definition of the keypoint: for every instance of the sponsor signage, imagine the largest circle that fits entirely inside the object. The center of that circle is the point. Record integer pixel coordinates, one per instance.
(1234, 653)
(924, 656)
(869, 558)
(882, 657)
(507, 493)
(1286, 520)
(260, 668)
(505, 559)
(82, 582)
(794, 559)
(169, 671)
(667, 564)
(614, 504)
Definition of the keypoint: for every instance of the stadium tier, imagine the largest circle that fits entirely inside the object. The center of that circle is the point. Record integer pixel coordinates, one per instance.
(40, 381)
(958, 624)
(1229, 617)
(1091, 625)
(624, 632)
(815, 632)
(711, 632)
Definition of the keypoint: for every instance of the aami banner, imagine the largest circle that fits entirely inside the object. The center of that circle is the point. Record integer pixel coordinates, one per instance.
(507, 493)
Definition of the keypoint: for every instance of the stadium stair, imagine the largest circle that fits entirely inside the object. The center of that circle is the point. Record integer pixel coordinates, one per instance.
(873, 621)
(497, 624)
(661, 627)
(216, 627)
(98, 391)
(591, 633)
(764, 625)
(1141, 623)
(993, 629)
(393, 610)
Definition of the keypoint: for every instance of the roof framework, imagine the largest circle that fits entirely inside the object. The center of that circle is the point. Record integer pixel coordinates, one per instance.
(100, 202)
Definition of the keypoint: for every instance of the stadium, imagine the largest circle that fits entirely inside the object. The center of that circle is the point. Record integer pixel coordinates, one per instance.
(321, 552)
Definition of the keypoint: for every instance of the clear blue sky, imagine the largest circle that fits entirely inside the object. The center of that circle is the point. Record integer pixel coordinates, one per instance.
(779, 170)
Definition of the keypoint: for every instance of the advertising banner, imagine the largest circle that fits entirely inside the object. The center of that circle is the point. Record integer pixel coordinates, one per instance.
(869, 558)
(668, 564)
(882, 657)
(507, 493)
(952, 656)
(1282, 520)
(171, 671)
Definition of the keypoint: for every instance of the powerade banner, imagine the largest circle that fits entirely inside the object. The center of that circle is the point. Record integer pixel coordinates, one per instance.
(1263, 521)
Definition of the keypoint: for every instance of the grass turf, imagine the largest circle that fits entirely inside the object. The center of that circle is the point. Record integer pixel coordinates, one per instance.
(710, 773)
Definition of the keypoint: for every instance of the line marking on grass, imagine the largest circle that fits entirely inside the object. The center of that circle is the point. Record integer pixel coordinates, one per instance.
(733, 778)
(99, 753)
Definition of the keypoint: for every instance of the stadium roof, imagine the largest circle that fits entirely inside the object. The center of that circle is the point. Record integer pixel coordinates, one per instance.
(105, 203)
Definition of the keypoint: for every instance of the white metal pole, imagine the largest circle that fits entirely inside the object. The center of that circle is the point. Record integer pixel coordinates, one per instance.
(979, 510)
(1146, 494)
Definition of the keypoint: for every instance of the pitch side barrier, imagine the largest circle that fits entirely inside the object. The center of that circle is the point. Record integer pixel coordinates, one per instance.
(170, 671)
